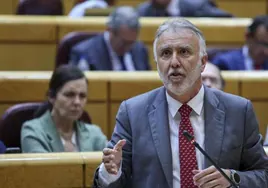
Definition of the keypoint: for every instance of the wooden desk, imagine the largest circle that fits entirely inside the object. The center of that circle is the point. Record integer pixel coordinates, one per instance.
(47, 170)
(29, 43)
(41, 170)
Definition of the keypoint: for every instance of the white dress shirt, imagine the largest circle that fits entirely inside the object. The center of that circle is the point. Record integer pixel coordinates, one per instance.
(197, 122)
(73, 140)
(248, 59)
(173, 8)
(79, 10)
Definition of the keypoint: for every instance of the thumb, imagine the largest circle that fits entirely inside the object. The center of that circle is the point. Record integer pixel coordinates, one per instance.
(119, 145)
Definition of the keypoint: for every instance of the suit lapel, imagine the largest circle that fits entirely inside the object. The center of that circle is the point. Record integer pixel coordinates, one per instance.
(52, 133)
(214, 126)
(104, 55)
(135, 59)
(83, 137)
(158, 119)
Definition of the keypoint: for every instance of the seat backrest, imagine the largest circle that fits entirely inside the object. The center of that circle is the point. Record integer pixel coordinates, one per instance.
(40, 7)
(66, 44)
(13, 119)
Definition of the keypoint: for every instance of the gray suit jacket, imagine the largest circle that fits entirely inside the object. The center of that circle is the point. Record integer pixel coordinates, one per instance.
(232, 140)
(40, 136)
(96, 54)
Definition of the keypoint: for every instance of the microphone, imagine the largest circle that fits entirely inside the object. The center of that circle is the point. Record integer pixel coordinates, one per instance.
(191, 139)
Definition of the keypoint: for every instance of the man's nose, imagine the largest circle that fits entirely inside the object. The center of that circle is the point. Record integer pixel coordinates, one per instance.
(77, 100)
(175, 61)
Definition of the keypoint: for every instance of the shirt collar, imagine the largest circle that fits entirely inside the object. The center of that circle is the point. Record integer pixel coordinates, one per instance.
(107, 41)
(248, 59)
(195, 103)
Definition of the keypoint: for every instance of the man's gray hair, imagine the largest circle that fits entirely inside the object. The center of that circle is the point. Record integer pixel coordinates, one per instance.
(124, 15)
(179, 23)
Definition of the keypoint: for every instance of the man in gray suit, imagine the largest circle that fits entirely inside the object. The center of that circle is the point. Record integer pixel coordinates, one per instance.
(148, 149)
(117, 48)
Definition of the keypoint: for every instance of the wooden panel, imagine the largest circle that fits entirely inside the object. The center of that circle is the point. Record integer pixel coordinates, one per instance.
(260, 110)
(255, 89)
(232, 86)
(99, 115)
(27, 56)
(128, 2)
(23, 90)
(12, 83)
(131, 88)
(6, 7)
(254, 85)
(232, 83)
(90, 24)
(92, 160)
(113, 112)
(68, 5)
(41, 170)
(230, 30)
(134, 83)
(67, 176)
(15, 4)
(98, 88)
(250, 8)
(27, 28)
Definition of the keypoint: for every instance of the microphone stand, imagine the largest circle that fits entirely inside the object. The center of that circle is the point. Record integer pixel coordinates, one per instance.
(191, 139)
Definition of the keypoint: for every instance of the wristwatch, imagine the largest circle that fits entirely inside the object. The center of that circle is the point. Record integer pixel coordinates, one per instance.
(235, 177)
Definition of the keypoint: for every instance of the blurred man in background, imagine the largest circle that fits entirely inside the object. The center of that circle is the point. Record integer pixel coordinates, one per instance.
(253, 55)
(115, 49)
(212, 77)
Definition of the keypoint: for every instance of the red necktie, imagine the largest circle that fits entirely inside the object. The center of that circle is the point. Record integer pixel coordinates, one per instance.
(187, 152)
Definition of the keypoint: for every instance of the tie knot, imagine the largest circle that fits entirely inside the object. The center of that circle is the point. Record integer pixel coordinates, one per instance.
(185, 110)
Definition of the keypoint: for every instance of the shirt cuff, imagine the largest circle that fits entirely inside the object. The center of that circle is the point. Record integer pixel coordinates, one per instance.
(105, 178)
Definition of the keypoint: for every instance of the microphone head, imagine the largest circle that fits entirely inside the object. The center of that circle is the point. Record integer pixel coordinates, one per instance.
(188, 136)
(2, 147)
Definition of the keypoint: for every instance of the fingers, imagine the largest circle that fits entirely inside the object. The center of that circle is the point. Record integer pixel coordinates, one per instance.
(107, 151)
(210, 177)
(204, 172)
(112, 157)
(210, 180)
(119, 145)
(111, 168)
(108, 158)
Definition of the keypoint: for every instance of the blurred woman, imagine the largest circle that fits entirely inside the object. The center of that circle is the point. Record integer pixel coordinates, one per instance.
(57, 128)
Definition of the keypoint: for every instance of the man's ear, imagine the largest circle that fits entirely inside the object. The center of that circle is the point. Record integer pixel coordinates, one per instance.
(204, 61)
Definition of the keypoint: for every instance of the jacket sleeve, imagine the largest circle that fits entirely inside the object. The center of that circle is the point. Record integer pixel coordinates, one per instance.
(254, 162)
(31, 141)
(122, 131)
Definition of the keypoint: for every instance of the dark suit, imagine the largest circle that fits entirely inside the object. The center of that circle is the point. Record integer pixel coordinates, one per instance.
(232, 140)
(95, 52)
(196, 8)
(2, 147)
(233, 60)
